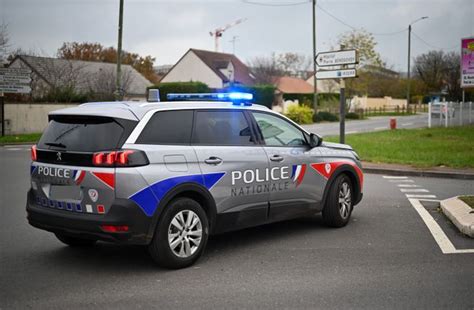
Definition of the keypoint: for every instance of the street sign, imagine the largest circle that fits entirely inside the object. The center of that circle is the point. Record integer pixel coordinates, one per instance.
(467, 62)
(15, 80)
(336, 58)
(336, 74)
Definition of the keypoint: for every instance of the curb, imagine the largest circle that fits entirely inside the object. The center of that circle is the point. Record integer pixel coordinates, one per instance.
(460, 214)
(17, 143)
(420, 173)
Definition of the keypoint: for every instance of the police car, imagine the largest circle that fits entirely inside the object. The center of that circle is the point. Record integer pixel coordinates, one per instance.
(169, 174)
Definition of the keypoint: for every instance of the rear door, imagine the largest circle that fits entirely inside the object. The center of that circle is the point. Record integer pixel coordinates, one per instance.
(227, 150)
(63, 176)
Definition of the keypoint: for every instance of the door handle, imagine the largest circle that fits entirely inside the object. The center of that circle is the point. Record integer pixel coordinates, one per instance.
(277, 158)
(213, 160)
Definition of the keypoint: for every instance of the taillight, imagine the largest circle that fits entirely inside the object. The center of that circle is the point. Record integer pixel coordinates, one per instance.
(121, 158)
(34, 156)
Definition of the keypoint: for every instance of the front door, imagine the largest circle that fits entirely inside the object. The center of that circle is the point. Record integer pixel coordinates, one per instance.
(293, 188)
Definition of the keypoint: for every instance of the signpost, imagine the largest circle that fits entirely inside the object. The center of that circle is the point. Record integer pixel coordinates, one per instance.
(340, 59)
(13, 81)
(336, 58)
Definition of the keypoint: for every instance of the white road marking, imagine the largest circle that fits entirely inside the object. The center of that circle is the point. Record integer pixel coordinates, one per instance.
(414, 190)
(438, 234)
(420, 196)
(380, 128)
(14, 149)
(397, 181)
(349, 132)
(407, 124)
(394, 177)
(408, 185)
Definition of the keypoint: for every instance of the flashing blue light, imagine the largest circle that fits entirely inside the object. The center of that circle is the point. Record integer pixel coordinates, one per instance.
(236, 97)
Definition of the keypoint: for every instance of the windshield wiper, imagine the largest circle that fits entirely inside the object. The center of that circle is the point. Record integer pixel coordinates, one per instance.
(55, 144)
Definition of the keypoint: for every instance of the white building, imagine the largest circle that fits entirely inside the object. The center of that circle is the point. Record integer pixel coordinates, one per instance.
(217, 70)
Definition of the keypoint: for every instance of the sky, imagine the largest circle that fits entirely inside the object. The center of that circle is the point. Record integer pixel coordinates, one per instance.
(166, 29)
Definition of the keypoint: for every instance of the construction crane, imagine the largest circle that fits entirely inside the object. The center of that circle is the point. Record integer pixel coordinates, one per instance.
(219, 31)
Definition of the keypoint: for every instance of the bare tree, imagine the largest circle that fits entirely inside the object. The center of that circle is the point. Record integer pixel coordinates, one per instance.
(4, 39)
(294, 64)
(101, 85)
(265, 69)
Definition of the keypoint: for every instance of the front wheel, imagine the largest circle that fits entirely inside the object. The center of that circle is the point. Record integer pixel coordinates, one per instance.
(339, 203)
(181, 235)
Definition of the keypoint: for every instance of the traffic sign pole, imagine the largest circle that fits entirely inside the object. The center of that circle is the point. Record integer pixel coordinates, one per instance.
(342, 113)
(2, 103)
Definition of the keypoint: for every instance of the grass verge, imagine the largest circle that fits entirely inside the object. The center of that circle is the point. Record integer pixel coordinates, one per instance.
(27, 138)
(425, 147)
(469, 200)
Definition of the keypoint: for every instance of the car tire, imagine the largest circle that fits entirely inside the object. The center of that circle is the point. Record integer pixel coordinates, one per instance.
(181, 234)
(74, 241)
(339, 203)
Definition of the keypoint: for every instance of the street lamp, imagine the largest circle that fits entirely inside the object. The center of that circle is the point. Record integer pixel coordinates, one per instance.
(409, 46)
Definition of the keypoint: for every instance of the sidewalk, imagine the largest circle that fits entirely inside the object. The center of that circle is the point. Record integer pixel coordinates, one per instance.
(406, 170)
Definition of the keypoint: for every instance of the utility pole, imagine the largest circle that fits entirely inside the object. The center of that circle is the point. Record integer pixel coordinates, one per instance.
(409, 57)
(315, 90)
(118, 86)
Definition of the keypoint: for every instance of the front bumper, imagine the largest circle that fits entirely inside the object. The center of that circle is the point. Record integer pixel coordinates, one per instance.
(83, 225)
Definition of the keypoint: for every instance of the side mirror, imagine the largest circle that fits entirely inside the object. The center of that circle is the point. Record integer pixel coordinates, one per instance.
(315, 140)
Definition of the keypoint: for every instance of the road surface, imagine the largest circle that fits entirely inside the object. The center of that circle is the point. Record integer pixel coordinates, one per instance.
(385, 258)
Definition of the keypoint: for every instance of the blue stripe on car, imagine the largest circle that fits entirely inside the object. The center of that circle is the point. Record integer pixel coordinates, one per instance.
(149, 197)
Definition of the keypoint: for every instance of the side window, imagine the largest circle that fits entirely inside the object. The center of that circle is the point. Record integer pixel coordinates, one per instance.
(222, 128)
(278, 132)
(168, 127)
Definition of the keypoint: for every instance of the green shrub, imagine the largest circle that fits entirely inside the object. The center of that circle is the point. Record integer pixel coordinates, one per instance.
(180, 87)
(324, 116)
(352, 115)
(300, 114)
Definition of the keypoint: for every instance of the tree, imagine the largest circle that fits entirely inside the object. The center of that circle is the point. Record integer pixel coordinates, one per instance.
(3, 43)
(364, 43)
(293, 64)
(440, 72)
(97, 52)
(265, 69)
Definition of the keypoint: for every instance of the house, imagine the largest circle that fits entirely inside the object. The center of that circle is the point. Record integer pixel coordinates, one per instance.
(325, 86)
(289, 85)
(80, 76)
(217, 70)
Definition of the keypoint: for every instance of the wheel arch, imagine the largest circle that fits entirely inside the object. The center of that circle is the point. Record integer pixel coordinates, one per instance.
(352, 174)
(193, 191)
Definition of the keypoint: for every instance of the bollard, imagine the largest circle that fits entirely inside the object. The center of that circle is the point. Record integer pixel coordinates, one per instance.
(393, 123)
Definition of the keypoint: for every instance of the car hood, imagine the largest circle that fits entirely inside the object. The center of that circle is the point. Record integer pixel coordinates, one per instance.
(338, 146)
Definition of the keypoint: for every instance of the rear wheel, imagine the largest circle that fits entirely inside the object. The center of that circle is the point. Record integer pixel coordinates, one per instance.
(339, 203)
(74, 241)
(181, 235)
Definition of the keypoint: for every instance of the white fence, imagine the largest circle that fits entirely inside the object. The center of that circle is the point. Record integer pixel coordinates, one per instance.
(449, 114)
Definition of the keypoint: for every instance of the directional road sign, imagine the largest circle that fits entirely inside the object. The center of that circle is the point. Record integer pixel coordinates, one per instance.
(336, 74)
(15, 80)
(336, 58)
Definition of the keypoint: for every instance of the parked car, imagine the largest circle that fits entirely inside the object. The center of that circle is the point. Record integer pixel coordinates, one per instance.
(169, 174)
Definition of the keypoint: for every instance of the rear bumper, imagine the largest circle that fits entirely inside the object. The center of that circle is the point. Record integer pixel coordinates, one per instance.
(122, 212)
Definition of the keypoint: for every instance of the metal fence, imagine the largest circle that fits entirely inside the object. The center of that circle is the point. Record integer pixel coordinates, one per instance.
(450, 114)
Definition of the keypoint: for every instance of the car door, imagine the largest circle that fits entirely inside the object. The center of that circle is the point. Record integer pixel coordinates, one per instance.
(226, 148)
(293, 191)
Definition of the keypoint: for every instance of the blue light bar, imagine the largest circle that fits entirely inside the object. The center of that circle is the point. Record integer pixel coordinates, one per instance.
(236, 97)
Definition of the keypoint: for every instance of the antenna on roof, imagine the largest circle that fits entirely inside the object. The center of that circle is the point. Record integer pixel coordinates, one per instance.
(219, 31)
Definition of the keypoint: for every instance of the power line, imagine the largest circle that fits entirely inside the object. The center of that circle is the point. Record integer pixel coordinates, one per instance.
(276, 4)
(433, 46)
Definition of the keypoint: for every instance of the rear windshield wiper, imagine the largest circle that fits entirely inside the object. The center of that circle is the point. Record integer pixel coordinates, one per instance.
(55, 144)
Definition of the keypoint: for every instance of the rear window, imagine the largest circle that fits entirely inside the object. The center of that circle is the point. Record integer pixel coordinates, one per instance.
(85, 133)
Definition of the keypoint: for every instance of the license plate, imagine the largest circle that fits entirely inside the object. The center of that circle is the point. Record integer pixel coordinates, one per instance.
(58, 192)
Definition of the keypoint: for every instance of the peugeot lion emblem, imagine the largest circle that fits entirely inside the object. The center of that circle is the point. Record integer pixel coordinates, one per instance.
(58, 156)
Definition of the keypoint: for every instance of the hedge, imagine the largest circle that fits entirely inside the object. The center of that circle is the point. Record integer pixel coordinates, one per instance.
(180, 87)
(300, 114)
(307, 99)
(262, 94)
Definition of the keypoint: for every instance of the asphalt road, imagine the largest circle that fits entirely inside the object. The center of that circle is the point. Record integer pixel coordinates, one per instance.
(372, 124)
(385, 258)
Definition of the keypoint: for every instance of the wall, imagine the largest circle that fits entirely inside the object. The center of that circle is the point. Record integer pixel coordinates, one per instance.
(23, 118)
(366, 103)
(192, 68)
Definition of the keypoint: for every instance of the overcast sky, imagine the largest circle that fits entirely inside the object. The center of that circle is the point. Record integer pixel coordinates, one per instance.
(166, 29)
